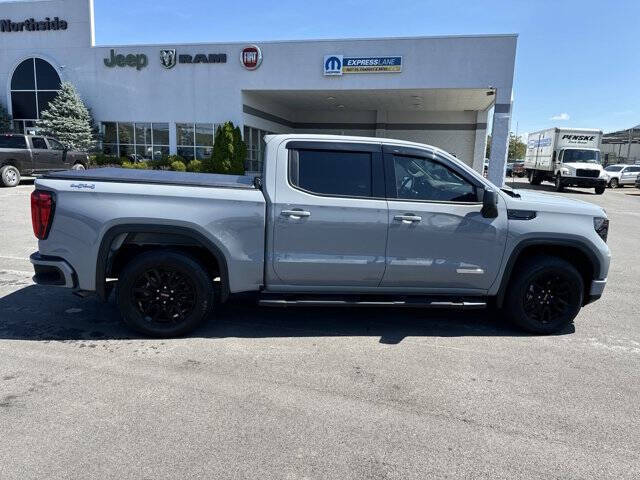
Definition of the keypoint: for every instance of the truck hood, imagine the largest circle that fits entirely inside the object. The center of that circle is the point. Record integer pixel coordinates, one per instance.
(545, 202)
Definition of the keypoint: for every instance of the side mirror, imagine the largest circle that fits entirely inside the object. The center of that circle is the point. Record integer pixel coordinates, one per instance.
(489, 204)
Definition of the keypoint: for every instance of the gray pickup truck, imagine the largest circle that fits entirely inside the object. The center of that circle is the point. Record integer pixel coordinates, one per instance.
(332, 221)
(33, 154)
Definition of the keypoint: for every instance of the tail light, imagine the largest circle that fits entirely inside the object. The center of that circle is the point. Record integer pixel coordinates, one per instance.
(42, 208)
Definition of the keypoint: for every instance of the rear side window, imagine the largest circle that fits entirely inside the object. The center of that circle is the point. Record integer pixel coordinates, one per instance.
(328, 172)
(38, 142)
(12, 141)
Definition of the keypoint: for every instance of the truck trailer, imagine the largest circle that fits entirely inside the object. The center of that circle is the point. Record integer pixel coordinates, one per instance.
(567, 157)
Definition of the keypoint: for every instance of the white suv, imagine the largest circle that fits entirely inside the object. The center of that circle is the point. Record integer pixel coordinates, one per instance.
(620, 175)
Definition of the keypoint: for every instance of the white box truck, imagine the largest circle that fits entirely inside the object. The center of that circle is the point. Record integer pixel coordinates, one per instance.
(567, 157)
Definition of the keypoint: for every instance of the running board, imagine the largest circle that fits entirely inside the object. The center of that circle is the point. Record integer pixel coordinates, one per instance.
(417, 303)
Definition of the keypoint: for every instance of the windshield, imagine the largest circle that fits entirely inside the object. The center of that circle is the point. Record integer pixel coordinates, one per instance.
(583, 156)
(613, 168)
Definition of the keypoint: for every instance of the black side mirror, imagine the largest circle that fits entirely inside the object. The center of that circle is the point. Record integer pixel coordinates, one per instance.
(489, 204)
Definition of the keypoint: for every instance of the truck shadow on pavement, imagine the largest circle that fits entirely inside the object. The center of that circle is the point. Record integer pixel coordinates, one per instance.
(547, 187)
(38, 313)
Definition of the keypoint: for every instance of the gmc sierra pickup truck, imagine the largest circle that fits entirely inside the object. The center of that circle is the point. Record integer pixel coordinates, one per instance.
(34, 154)
(332, 221)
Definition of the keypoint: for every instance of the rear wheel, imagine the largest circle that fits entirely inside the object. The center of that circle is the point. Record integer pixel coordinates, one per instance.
(164, 293)
(534, 178)
(78, 166)
(9, 176)
(600, 190)
(545, 295)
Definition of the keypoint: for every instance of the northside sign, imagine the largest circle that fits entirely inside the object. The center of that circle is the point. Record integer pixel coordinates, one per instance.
(339, 64)
(33, 25)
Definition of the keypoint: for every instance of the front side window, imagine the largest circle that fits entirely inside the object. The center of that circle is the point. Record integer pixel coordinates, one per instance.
(54, 144)
(583, 156)
(38, 142)
(427, 180)
(326, 172)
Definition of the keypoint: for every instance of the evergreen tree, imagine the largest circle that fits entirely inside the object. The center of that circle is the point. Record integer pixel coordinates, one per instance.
(5, 120)
(67, 119)
(229, 151)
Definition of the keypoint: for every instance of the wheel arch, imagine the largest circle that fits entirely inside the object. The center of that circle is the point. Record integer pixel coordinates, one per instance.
(152, 236)
(575, 251)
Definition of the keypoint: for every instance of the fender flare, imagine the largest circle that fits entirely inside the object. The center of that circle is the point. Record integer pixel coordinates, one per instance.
(564, 242)
(111, 234)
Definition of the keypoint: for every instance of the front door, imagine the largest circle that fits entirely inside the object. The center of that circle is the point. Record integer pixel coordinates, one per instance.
(438, 239)
(59, 152)
(329, 216)
(43, 157)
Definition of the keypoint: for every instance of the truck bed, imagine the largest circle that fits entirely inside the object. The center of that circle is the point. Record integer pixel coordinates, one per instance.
(157, 177)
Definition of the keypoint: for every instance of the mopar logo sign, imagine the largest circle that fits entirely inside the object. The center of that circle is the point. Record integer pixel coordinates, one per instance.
(339, 64)
(333, 64)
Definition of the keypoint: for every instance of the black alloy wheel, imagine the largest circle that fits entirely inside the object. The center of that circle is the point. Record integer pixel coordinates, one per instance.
(164, 293)
(545, 294)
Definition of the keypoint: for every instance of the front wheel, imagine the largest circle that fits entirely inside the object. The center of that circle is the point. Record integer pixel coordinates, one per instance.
(544, 295)
(164, 293)
(559, 186)
(614, 183)
(9, 176)
(600, 190)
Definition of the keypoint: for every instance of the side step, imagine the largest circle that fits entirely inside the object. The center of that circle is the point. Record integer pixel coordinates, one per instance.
(416, 302)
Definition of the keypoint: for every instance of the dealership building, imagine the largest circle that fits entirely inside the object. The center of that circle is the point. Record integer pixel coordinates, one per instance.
(154, 100)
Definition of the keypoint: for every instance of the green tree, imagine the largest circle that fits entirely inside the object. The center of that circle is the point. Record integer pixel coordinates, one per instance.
(517, 148)
(5, 120)
(67, 119)
(229, 151)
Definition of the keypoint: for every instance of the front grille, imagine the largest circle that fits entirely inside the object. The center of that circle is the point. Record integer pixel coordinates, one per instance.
(583, 172)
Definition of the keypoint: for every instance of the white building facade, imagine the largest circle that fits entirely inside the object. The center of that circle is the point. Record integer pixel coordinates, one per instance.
(160, 99)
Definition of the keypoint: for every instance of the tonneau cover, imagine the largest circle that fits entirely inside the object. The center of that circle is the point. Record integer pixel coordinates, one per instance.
(125, 175)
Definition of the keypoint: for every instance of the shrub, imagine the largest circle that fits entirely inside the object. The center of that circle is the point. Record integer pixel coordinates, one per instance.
(229, 151)
(194, 166)
(164, 162)
(135, 166)
(178, 166)
(103, 160)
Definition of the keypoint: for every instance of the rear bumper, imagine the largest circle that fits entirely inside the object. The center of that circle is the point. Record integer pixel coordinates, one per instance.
(53, 271)
(583, 182)
(595, 292)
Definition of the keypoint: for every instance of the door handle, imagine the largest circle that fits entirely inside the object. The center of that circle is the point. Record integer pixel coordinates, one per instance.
(408, 218)
(295, 213)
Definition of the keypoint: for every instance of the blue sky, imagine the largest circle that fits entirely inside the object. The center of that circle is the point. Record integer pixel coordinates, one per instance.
(577, 61)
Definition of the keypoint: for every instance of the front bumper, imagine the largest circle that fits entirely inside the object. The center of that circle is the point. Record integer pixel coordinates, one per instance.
(595, 292)
(583, 182)
(53, 271)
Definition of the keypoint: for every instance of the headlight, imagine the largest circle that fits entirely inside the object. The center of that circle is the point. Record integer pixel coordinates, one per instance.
(564, 171)
(601, 226)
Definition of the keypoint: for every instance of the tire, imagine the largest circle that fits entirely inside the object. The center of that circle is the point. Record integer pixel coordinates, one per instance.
(155, 273)
(534, 179)
(559, 186)
(9, 176)
(78, 166)
(536, 279)
(614, 183)
(600, 190)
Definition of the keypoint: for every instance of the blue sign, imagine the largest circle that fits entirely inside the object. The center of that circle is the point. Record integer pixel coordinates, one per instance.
(339, 64)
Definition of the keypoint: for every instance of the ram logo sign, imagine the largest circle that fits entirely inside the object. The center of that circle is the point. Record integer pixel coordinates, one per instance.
(339, 64)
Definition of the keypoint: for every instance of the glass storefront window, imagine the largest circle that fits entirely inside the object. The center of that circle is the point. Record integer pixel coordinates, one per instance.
(254, 138)
(184, 134)
(136, 141)
(204, 134)
(195, 140)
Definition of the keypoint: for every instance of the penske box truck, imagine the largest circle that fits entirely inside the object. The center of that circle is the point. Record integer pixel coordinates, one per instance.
(567, 157)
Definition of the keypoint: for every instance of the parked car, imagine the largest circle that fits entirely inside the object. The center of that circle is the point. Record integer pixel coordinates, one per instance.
(34, 154)
(638, 181)
(335, 220)
(621, 175)
(518, 169)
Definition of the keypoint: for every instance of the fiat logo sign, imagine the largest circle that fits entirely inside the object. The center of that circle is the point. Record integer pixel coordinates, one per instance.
(251, 57)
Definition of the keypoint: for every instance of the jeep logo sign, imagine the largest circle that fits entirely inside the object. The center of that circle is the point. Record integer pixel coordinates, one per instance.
(138, 60)
(251, 57)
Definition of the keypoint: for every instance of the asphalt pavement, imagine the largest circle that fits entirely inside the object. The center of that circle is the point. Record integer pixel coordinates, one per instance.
(263, 393)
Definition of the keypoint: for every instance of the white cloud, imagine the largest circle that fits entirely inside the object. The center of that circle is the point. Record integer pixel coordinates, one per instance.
(560, 116)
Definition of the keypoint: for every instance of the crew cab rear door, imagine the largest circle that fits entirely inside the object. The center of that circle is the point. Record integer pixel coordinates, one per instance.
(44, 159)
(438, 239)
(329, 216)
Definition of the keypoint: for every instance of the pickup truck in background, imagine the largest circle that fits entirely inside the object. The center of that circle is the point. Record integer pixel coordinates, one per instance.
(33, 154)
(334, 220)
(566, 157)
